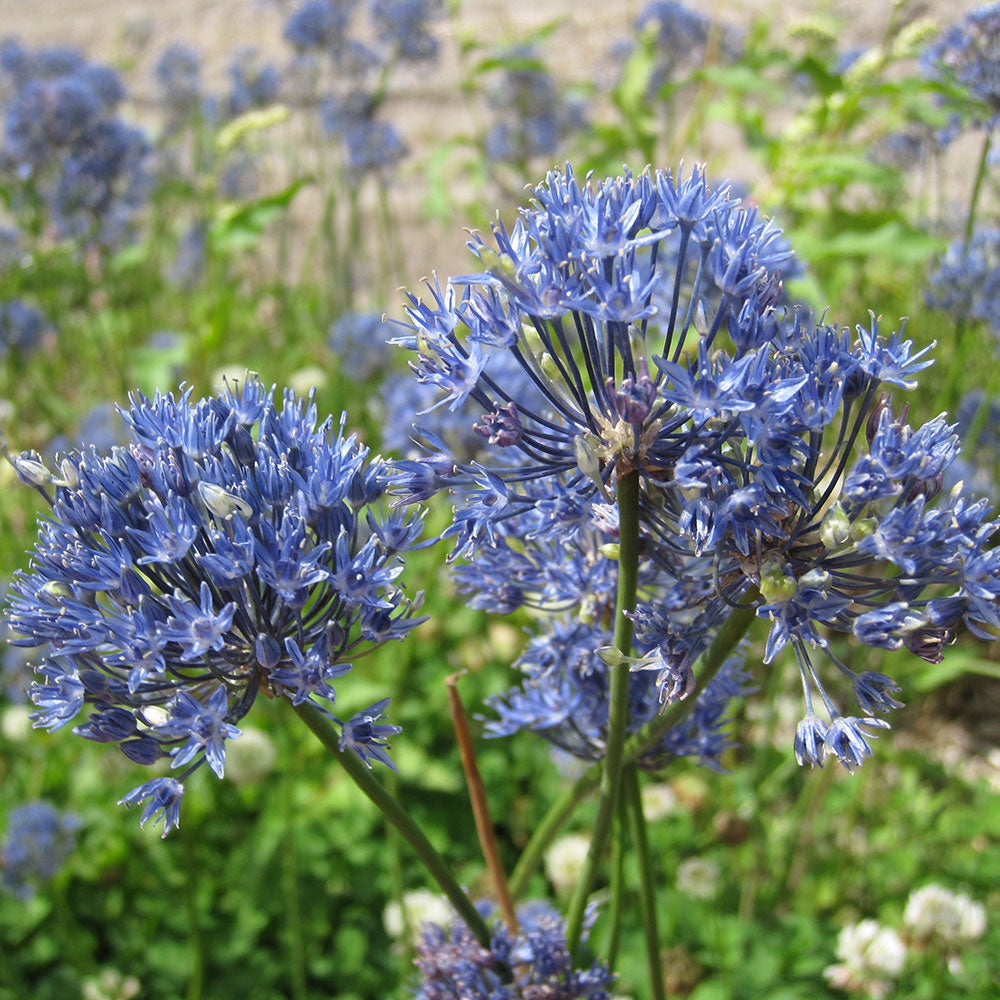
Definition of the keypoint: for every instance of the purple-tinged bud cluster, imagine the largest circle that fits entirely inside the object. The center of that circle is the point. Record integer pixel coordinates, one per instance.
(773, 473)
(39, 839)
(62, 138)
(531, 964)
(233, 548)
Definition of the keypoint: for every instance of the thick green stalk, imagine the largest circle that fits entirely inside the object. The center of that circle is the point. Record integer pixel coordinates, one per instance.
(628, 575)
(400, 819)
(560, 811)
(647, 879)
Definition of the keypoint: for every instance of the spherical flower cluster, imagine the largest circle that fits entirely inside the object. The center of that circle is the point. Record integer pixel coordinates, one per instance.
(360, 342)
(403, 24)
(977, 423)
(532, 963)
(531, 114)
(871, 957)
(968, 54)
(773, 471)
(61, 136)
(966, 283)
(39, 840)
(234, 548)
(21, 328)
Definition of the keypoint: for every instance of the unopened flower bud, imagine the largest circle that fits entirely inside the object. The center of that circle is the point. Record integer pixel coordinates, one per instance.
(221, 502)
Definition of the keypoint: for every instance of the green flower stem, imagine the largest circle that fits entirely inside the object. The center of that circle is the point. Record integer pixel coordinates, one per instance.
(977, 187)
(618, 842)
(399, 818)
(560, 811)
(552, 822)
(647, 879)
(948, 396)
(628, 576)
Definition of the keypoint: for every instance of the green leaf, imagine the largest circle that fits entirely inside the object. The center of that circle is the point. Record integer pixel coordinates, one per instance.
(238, 226)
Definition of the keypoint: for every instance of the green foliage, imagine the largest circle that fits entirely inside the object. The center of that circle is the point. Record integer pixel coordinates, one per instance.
(277, 888)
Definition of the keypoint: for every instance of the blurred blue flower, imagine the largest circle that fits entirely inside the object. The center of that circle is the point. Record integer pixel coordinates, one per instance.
(530, 964)
(21, 328)
(319, 24)
(178, 75)
(232, 548)
(968, 55)
(253, 83)
(360, 342)
(532, 115)
(966, 283)
(403, 24)
(39, 840)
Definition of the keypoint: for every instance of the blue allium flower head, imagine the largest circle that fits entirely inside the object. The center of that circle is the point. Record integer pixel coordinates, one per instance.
(178, 74)
(101, 187)
(968, 55)
(39, 840)
(966, 283)
(403, 24)
(233, 548)
(773, 472)
(254, 84)
(319, 24)
(532, 114)
(360, 342)
(530, 964)
(21, 328)
(977, 422)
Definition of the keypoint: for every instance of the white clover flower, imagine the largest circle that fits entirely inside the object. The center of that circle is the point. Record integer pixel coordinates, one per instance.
(699, 878)
(564, 860)
(110, 984)
(934, 911)
(421, 906)
(658, 801)
(15, 723)
(251, 757)
(870, 957)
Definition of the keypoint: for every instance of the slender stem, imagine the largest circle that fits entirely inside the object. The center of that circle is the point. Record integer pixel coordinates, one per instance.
(294, 938)
(647, 879)
(480, 807)
(560, 811)
(618, 841)
(394, 812)
(628, 575)
(196, 980)
(977, 187)
(959, 363)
